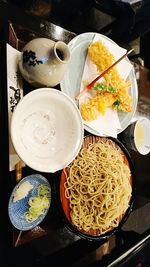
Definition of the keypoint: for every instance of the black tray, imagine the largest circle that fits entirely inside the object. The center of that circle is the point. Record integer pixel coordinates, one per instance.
(17, 36)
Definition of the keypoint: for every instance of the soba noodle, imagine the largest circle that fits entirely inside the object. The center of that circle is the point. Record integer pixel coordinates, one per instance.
(98, 187)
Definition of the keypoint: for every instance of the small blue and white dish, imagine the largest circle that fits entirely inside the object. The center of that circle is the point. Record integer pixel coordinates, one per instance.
(16, 210)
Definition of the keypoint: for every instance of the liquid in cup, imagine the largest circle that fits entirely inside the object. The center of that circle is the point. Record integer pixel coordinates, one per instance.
(137, 136)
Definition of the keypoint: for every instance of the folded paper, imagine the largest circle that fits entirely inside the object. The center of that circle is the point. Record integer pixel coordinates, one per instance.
(15, 93)
(107, 124)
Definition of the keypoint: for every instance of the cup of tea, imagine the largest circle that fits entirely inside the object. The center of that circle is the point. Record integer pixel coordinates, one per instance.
(137, 136)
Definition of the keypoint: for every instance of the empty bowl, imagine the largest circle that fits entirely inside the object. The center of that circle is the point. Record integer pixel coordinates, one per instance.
(47, 130)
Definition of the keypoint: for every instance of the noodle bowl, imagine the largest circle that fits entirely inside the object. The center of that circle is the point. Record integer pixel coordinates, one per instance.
(97, 186)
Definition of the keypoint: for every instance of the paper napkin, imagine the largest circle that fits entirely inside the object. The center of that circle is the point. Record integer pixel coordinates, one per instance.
(15, 93)
(107, 124)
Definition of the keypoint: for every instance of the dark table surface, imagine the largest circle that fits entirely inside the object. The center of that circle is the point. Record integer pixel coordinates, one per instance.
(51, 243)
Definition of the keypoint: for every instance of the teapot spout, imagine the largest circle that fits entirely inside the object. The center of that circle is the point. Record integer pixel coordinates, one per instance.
(62, 52)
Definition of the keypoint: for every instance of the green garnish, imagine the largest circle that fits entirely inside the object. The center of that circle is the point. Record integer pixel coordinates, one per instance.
(38, 204)
(104, 88)
(117, 102)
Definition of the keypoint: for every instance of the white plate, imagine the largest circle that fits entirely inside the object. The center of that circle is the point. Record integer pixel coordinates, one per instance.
(72, 79)
(47, 130)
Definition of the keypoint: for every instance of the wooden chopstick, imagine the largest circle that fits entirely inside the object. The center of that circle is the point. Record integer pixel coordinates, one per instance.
(18, 168)
(90, 85)
(18, 237)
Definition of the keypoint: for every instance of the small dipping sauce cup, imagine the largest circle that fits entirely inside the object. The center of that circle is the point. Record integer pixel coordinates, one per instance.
(137, 136)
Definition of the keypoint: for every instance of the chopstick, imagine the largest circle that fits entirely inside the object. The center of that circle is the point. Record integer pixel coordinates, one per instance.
(90, 85)
(18, 168)
(18, 237)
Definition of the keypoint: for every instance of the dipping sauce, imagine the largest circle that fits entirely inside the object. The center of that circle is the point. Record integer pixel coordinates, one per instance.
(139, 135)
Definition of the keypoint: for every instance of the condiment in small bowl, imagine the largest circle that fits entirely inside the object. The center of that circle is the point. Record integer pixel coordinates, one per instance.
(29, 202)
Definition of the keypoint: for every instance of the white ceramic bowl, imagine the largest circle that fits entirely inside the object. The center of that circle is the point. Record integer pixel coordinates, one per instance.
(47, 130)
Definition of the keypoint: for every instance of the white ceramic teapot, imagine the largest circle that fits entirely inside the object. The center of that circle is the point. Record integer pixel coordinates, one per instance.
(43, 62)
